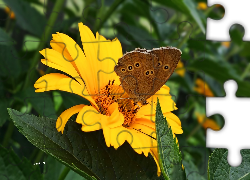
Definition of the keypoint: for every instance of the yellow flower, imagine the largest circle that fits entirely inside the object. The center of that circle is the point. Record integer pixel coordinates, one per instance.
(202, 5)
(93, 78)
(226, 44)
(207, 123)
(180, 69)
(202, 88)
(9, 12)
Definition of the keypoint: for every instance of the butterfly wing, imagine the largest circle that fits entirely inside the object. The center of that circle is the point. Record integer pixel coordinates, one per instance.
(137, 73)
(168, 60)
(143, 72)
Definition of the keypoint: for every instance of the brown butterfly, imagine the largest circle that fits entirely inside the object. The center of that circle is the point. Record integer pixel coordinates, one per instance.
(143, 72)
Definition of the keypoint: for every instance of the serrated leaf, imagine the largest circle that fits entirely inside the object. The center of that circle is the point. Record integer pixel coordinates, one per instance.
(219, 169)
(27, 17)
(12, 167)
(168, 149)
(84, 152)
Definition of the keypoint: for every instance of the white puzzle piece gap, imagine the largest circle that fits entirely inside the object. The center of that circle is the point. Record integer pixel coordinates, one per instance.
(235, 134)
(236, 12)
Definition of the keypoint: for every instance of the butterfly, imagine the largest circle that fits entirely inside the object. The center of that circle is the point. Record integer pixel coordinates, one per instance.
(143, 72)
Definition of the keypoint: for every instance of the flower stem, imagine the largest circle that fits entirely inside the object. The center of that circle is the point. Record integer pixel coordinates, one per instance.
(57, 8)
(246, 72)
(64, 173)
(38, 157)
(113, 7)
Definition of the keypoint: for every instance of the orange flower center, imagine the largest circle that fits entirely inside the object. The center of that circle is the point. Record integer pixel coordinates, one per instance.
(112, 93)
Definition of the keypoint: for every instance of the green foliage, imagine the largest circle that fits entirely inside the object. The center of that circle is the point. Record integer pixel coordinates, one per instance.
(168, 149)
(218, 167)
(35, 24)
(12, 167)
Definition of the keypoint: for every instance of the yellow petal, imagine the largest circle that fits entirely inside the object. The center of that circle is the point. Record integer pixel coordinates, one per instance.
(64, 117)
(203, 88)
(171, 118)
(116, 119)
(108, 54)
(48, 82)
(90, 47)
(207, 123)
(202, 5)
(57, 81)
(90, 119)
(80, 62)
(102, 56)
(56, 60)
(180, 70)
(165, 99)
(210, 123)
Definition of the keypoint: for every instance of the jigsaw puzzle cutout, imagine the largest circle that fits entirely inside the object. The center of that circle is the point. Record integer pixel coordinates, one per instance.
(236, 12)
(231, 107)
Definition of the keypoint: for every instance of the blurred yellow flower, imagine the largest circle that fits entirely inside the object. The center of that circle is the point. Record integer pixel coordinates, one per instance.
(41, 72)
(202, 88)
(226, 44)
(180, 70)
(207, 123)
(202, 5)
(9, 12)
(111, 110)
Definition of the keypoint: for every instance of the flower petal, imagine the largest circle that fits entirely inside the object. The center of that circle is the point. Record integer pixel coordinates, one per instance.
(102, 55)
(90, 119)
(165, 99)
(64, 117)
(57, 81)
(56, 60)
(171, 118)
(80, 62)
(108, 54)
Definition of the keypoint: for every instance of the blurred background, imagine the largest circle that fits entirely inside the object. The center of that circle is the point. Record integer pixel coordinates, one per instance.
(26, 27)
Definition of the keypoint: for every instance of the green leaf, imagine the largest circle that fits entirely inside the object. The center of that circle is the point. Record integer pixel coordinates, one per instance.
(5, 38)
(8, 54)
(27, 17)
(186, 6)
(12, 167)
(41, 102)
(219, 169)
(168, 150)
(53, 170)
(84, 152)
(221, 71)
(192, 171)
(4, 104)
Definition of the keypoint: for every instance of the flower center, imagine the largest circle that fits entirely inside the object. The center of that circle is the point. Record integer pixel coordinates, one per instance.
(113, 93)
